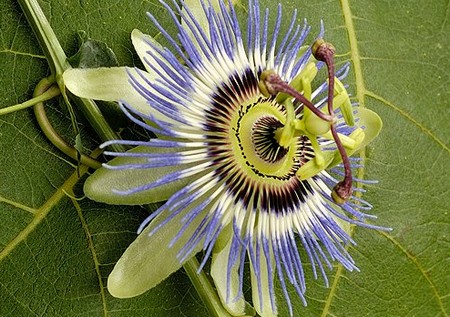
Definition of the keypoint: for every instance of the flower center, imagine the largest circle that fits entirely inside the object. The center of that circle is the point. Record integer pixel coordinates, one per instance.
(255, 156)
(264, 140)
(255, 145)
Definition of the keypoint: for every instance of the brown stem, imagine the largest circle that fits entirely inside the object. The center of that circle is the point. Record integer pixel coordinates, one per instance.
(324, 52)
(343, 190)
(275, 84)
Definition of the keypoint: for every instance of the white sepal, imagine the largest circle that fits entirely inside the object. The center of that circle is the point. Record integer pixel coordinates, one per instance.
(149, 260)
(106, 83)
(260, 284)
(234, 304)
(104, 184)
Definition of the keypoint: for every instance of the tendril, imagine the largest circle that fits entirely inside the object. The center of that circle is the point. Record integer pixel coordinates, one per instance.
(51, 134)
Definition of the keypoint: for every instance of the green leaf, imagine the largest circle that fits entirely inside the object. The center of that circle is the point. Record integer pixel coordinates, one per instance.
(56, 251)
(92, 53)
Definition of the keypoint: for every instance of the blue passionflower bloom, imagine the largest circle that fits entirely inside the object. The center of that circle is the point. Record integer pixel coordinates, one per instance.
(247, 168)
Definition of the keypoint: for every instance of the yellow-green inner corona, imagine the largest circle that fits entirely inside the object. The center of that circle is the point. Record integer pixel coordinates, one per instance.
(254, 135)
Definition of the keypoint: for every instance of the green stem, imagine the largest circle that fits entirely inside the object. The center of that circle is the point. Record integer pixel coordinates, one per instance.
(52, 92)
(47, 38)
(57, 60)
(204, 289)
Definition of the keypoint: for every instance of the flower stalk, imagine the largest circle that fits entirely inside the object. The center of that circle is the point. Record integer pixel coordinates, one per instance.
(204, 289)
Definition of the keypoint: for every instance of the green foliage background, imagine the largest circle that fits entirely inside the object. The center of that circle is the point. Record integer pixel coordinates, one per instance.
(56, 251)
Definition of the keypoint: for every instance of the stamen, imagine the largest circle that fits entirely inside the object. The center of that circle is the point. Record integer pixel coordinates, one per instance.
(271, 83)
(324, 52)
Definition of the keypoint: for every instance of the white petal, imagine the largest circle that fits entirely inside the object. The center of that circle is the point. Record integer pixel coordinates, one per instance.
(196, 8)
(147, 48)
(106, 83)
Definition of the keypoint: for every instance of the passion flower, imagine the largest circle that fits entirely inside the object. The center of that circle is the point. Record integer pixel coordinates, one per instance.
(250, 145)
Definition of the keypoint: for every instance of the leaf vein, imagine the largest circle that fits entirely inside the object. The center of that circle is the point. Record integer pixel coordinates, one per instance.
(421, 270)
(18, 205)
(94, 254)
(42, 212)
(410, 118)
(10, 51)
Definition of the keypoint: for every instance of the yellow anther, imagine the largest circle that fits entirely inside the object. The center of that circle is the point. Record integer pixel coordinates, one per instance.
(350, 142)
(305, 78)
(342, 100)
(302, 82)
(315, 125)
(357, 136)
(312, 168)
